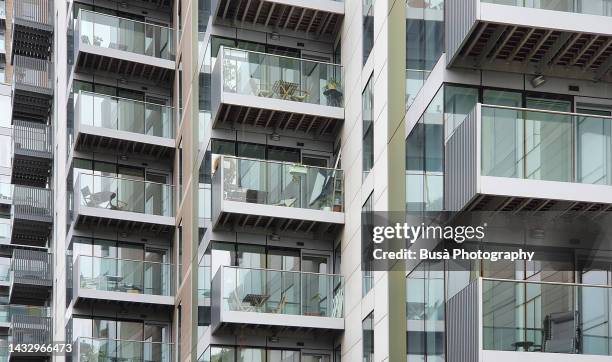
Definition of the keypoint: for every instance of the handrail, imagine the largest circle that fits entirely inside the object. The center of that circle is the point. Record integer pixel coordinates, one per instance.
(543, 111)
(122, 98)
(223, 48)
(78, 257)
(546, 283)
(281, 162)
(122, 179)
(123, 340)
(281, 271)
(123, 18)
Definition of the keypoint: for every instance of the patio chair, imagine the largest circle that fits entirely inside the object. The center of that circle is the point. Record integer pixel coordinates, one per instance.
(256, 89)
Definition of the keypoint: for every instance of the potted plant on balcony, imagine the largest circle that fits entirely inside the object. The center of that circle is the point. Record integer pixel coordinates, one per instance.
(332, 92)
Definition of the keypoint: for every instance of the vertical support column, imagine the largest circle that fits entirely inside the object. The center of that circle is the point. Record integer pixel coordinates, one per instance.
(187, 209)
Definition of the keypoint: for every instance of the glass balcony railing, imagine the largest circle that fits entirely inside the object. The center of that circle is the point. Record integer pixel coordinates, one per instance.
(122, 114)
(9, 310)
(592, 7)
(279, 77)
(282, 292)
(546, 317)
(546, 145)
(5, 273)
(6, 192)
(126, 195)
(98, 349)
(127, 276)
(5, 234)
(107, 31)
(281, 184)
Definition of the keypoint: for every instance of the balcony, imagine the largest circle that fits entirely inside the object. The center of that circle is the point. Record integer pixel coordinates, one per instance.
(258, 90)
(10, 311)
(32, 215)
(285, 197)
(123, 203)
(109, 44)
(502, 320)
(568, 38)
(33, 330)
(517, 159)
(120, 280)
(32, 153)
(108, 122)
(283, 299)
(32, 276)
(97, 349)
(32, 28)
(32, 89)
(321, 18)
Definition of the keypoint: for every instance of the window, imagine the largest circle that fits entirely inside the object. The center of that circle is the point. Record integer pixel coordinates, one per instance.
(367, 114)
(367, 217)
(367, 327)
(368, 28)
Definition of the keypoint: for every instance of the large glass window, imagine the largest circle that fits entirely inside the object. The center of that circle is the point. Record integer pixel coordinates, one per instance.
(424, 42)
(368, 28)
(367, 327)
(367, 218)
(367, 114)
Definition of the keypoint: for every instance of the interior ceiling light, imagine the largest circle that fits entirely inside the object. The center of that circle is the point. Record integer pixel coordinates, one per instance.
(538, 80)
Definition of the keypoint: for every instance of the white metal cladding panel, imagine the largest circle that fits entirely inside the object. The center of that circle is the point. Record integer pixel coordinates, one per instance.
(461, 164)
(460, 19)
(463, 325)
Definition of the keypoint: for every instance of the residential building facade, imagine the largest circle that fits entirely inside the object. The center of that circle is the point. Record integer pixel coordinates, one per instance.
(188, 180)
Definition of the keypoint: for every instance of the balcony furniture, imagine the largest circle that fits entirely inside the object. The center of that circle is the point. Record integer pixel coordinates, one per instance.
(522, 345)
(285, 90)
(280, 305)
(560, 333)
(256, 300)
(259, 90)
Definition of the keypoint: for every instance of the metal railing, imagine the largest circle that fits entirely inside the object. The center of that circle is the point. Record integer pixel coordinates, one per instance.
(34, 11)
(32, 202)
(32, 137)
(592, 7)
(123, 275)
(32, 267)
(36, 74)
(30, 329)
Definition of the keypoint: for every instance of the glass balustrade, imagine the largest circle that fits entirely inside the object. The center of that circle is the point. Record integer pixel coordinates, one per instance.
(282, 292)
(273, 76)
(5, 234)
(9, 310)
(112, 32)
(122, 114)
(546, 317)
(592, 7)
(546, 145)
(97, 349)
(126, 195)
(127, 276)
(281, 184)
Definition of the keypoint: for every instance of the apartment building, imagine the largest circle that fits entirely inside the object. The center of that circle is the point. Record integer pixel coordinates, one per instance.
(187, 180)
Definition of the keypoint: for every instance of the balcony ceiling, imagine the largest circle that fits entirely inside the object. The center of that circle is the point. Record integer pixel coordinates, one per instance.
(536, 50)
(231, 221)
(235, 116)
(89, 222)
(523, 204)
(278, 16)
(105, 64)
(90, 142)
